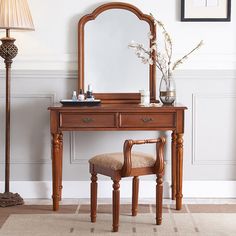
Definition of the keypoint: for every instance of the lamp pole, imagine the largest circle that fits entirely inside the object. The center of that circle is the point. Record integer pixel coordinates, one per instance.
(8, 51)
(13, 15)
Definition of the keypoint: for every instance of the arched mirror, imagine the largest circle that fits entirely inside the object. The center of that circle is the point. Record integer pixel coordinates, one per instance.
(106, 62)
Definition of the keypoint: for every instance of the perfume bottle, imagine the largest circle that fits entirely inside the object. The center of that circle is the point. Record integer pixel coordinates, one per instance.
(81, 95)
(89, 94)
(74, 96)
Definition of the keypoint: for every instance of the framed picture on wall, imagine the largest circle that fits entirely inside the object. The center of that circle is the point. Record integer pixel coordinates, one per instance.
(205, 10)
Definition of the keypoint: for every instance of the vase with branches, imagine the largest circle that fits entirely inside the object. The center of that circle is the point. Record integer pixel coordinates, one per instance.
(162, 59)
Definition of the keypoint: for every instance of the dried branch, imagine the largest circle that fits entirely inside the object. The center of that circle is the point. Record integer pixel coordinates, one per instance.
(180, 61)
(153, 55)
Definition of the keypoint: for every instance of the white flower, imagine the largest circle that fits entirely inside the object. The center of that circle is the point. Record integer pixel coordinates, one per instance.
(139, 53)
(153, 48)
(159, 55)
(144, 60)
(150, 36)
(150, 61)
(133, 44)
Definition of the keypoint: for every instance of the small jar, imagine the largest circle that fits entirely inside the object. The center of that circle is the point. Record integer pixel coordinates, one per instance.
(145, 97)
(74, 96)
(81, 96)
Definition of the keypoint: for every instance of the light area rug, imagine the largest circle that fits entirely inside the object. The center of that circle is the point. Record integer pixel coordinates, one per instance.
(186, 224)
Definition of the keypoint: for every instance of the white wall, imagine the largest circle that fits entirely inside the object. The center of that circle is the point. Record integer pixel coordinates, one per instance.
(45, 71)
(54, 42)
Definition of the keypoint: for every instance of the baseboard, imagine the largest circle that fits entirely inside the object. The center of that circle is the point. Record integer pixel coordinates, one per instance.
(81, 189)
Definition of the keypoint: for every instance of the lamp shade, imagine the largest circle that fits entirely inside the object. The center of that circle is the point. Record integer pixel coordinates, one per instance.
(15, 14)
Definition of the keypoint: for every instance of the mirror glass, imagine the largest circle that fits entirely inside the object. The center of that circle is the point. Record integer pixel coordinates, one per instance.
(109, 65)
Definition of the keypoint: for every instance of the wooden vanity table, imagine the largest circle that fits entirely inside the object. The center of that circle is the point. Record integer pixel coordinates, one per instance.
(116, 77)
(115, 117)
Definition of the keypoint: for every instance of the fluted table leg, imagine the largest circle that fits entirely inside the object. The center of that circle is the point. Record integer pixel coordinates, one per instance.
(179, 171)
(55, 172)
(173, 165)
(60, 164)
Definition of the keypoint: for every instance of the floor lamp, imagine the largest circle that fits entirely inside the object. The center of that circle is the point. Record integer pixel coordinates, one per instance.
(14, 14)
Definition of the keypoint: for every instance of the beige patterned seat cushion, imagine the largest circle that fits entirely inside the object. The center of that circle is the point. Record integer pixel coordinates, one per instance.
(115, 161)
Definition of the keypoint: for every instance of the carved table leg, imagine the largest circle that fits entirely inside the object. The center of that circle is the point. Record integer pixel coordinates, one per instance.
(116, 204)
(179, 172)
(60, 164)
(173, 165)
(55, 170)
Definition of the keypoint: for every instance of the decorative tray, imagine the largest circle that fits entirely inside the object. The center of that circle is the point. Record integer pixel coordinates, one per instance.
(70, 102)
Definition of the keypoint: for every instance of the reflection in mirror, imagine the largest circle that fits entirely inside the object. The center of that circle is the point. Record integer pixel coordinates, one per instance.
(109, 65)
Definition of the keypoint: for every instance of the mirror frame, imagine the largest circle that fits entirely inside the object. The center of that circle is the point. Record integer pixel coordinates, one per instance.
(115, 97)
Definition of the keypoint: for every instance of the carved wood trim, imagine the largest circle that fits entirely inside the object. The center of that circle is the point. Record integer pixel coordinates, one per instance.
(116, 97)
(128, 144)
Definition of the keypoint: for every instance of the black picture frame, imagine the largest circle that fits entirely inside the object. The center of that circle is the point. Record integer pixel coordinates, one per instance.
(184, 18)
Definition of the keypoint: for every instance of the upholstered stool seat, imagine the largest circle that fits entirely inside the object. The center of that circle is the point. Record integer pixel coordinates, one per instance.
(115, 161)
(119, 165)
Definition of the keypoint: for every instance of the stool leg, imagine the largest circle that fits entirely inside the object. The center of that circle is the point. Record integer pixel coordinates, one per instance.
(135, 190)
(116, 204)
(93, 197)
(159, 195)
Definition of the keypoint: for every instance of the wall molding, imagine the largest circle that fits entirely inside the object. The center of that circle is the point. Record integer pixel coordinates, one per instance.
(81, 189)
(70, 60)
(195, 98)
(43, 160)
(73, 74)
(41, 74)
(73, 159)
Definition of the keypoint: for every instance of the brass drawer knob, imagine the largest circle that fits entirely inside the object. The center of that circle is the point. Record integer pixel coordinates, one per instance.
(146, 119)
(87, 120)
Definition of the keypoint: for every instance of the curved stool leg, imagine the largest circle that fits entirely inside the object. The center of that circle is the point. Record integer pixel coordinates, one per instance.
(93, 197)
(159, 194)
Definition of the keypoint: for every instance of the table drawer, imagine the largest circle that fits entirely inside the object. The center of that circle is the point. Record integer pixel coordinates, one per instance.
(130, 120)
(89, 120)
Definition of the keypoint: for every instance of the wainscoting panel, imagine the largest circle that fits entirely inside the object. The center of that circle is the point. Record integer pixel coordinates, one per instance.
(214, 129)
(30, 133)
(84, 145)
(209, 138)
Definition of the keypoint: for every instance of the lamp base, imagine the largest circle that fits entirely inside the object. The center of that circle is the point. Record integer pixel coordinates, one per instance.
(10, 199)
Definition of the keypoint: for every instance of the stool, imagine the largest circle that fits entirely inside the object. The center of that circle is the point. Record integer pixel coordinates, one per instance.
(118, 165)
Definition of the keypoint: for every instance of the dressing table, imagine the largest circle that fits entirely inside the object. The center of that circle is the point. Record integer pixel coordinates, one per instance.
(116, 77)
